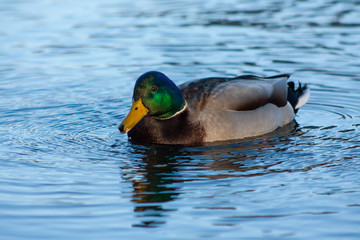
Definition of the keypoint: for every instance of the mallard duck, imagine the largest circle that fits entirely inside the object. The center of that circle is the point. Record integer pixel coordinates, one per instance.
(210, 109)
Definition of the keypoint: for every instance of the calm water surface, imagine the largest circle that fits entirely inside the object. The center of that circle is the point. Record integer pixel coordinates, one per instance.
(67, 70)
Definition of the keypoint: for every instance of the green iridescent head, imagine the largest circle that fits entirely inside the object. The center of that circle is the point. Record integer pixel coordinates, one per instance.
(154, 95)
(158, 94)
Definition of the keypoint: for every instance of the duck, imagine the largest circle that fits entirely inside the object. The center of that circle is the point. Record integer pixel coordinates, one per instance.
(210, 109)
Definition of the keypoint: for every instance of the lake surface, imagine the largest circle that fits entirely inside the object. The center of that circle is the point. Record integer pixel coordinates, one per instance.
(67, 71)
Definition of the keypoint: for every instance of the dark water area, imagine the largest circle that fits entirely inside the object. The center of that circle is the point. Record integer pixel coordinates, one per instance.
(67, 71)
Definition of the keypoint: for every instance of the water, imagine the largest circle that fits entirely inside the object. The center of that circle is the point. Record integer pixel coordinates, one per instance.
(67, 70)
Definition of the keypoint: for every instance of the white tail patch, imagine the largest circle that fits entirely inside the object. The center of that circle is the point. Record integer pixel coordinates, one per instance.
(303, 98)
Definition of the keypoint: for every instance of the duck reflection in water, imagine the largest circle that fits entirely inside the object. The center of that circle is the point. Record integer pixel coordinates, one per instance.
(153, 184)
(156, 176)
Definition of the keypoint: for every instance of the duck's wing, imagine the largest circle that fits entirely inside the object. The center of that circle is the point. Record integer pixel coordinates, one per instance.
(241, 93)
(197, 93)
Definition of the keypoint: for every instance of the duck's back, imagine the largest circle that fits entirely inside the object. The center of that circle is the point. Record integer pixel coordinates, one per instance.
(244, 106)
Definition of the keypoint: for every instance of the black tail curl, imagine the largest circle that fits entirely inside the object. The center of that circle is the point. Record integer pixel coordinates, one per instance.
(295, 94)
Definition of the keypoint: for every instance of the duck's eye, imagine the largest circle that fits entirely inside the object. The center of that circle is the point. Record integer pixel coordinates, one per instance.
(154, 89)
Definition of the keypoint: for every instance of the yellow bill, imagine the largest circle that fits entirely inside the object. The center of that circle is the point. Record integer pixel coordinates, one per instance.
(137, 112)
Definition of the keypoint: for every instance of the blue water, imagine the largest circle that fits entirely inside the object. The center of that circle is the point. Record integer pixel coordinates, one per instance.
(67, 70)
